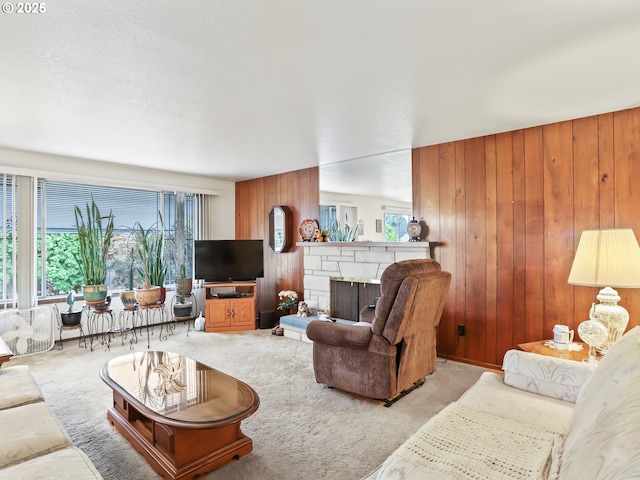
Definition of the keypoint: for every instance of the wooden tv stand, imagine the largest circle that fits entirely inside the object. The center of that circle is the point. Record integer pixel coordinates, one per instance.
(230, 306)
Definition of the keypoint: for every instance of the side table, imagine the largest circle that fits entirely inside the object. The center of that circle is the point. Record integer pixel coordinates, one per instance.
(540, 348)
(5, 352)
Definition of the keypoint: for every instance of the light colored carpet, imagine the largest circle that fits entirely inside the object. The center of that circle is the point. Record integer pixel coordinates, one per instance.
(302, 430)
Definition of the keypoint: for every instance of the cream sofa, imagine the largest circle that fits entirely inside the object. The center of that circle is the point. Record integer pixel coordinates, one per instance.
(33, 444)
(545, 418)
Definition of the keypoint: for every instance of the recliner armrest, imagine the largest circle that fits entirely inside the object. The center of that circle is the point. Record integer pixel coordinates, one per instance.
(339, 334)
(549, 376)
(367, 314)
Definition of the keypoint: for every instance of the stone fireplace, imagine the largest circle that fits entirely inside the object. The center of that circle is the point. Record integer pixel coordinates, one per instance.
(361, 262)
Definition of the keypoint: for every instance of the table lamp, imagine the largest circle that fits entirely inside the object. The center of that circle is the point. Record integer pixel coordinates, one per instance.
(607, 258)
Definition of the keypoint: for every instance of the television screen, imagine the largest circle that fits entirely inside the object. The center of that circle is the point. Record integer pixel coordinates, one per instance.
(228, 260)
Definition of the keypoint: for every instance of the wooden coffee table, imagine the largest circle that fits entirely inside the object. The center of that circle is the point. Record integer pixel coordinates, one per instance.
(182, 415)
(5, 353)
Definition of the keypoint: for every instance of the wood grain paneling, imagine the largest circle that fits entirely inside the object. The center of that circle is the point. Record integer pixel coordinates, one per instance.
(254, 198)
(509, 210)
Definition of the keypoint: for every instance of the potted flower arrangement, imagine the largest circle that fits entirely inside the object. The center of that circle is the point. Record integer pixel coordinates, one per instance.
(288, 299)
(95, 232)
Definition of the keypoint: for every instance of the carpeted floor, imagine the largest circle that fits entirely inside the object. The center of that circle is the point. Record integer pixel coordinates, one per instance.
(302, 430)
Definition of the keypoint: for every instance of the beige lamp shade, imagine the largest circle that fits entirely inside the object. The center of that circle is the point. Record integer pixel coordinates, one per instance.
(607, 258)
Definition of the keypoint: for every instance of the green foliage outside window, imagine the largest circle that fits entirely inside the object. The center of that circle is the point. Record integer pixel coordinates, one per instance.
(63, 271)
(390, 234)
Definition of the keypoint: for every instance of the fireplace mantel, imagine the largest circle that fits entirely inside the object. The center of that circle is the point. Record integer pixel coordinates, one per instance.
(419, 245)
(324, 260)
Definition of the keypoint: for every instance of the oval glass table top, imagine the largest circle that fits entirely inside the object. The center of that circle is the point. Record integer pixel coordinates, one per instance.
(173, 388)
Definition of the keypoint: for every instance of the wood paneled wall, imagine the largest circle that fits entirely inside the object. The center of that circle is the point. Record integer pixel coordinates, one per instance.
(509, 209)
(299, 191)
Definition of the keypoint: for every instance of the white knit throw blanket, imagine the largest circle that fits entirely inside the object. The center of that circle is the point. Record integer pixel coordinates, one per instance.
(461, 443)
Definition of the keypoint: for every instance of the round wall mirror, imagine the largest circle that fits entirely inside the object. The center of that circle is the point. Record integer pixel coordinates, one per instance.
(280, 228)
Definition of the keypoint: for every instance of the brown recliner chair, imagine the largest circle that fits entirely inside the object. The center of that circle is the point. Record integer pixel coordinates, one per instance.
(393, 347)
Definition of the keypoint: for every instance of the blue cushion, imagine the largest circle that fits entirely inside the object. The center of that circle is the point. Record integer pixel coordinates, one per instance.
(294, 321)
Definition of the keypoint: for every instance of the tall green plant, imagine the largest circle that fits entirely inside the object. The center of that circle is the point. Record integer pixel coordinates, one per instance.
(181, 297)
(151, 254)
(95, 232)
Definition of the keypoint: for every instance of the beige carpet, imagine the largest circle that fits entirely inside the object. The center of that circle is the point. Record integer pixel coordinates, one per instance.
(302, 430)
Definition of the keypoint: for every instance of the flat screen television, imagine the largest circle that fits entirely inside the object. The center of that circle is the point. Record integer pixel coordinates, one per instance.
(228, 260)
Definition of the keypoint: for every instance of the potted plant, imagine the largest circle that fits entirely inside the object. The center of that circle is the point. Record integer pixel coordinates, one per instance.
(288, 300)
(95, 232)
(71, 318)
(150, 251)
(182, 308)
(128, 297)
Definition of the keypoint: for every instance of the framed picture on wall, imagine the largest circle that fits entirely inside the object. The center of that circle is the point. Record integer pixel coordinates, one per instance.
(378, 226)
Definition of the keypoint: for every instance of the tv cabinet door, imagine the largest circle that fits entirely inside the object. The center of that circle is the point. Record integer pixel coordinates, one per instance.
(243, 313)
(218, 315)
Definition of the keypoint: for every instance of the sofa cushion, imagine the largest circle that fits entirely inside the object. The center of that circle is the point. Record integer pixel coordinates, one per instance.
(549, 376)
(490, 395)
(605, 440)
(462, 443)
(29, 431)
(18, 387)
(69, 463)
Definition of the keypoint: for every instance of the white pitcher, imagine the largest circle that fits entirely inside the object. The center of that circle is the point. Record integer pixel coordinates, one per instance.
(562, 336)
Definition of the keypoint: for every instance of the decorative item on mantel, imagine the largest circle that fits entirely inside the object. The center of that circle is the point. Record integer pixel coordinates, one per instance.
(414, 230)
(307, 229)
(320, 235)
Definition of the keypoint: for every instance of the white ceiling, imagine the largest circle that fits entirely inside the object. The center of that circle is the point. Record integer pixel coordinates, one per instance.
(247, 88)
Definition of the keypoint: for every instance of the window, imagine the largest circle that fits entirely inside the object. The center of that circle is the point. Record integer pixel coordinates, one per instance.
(395, 225)
(172, 214)
(8, 216)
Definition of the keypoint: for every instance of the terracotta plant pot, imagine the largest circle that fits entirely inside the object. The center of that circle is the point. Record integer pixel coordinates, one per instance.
(147, 296)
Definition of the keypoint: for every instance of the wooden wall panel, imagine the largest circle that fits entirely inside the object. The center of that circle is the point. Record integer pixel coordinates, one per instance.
(441, 218)
(534, 234)
(504, 239)
(519, 236)
(558, 224)
(509, 210)
(626, 146)
(461, 243)
(254, 198)
(491, 246)
(586, 199)
(606, 187)
(475, 243)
